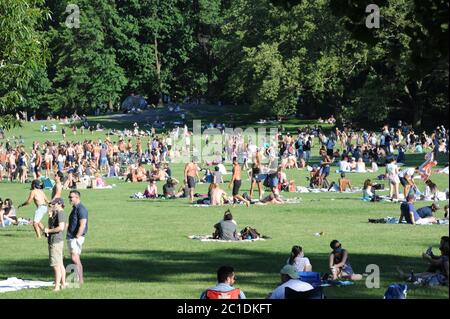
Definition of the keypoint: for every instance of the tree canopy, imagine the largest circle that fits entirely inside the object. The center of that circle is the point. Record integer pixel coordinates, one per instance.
(278, 57)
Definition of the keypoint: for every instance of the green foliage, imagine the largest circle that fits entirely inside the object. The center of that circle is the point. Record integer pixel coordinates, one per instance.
(314, 57)
(22, 48)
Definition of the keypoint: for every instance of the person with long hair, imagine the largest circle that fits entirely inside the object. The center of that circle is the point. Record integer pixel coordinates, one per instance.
(298, 260)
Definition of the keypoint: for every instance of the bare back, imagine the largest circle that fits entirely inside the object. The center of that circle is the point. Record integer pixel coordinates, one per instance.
(38, 197)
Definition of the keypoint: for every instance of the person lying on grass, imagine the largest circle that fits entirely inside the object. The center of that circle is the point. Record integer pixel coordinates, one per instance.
(339, 263)
(273, 197)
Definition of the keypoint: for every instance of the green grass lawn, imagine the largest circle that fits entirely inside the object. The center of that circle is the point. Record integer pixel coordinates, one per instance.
(140, 249)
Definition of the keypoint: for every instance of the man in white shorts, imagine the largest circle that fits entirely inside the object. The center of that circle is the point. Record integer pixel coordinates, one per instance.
(76, 231)
(40, 200)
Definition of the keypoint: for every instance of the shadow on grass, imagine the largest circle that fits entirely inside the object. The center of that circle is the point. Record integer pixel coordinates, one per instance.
(254, 268)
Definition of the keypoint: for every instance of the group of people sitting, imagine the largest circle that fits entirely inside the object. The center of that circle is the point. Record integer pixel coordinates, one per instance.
(292, 286)
(290, 275)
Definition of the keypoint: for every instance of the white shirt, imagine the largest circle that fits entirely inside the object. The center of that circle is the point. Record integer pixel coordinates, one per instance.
(344, 166)
(360, 167)
(408, 171)
(300, 263)
(295, 284)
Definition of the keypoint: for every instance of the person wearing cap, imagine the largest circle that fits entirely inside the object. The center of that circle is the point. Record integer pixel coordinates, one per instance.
(291, 279)
(55, 238)
(40, 200)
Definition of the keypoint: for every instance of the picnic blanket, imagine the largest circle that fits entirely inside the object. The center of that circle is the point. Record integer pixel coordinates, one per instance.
(302, 189)
(15, 284)
(205, 238)
(394, 220)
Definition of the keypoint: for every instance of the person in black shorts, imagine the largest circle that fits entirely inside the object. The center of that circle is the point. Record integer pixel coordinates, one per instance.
(237, 182)
(190, 172)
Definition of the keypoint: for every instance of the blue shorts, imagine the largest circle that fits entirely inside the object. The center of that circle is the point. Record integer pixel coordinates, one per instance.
(103, 161)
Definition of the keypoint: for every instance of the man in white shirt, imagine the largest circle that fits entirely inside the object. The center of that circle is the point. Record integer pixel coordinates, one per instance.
(289, 278)
(407, 180)
(344, 165)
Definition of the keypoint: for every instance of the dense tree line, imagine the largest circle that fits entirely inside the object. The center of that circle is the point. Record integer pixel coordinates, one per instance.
(277, 57)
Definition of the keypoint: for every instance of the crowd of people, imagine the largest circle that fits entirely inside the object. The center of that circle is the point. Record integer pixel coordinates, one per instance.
(147, 157)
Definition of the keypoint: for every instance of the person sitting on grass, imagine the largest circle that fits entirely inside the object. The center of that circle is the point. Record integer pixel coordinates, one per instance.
(99, 182)
(7, 213)
(368, 194)
(343, 184)
(298, 260)
(224, 289)
(217, 195)
(169, 188)
(289, 279)
(227, 228)
(409, 213)
(339, 263)
(438, 265)
(152, 190)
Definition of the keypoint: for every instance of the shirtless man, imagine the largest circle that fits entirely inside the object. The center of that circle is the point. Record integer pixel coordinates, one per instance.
(190, 172)
(40, 200)
(344, 183)
(57, 189)
(236, 182)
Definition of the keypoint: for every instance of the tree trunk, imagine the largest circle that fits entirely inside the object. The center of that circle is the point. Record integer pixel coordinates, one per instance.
(412, 90)
(158, 72)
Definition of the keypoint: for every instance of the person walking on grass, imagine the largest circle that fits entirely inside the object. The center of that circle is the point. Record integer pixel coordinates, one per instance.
(236, 183)
(41, 201)
(76, 231)
(190, 173)
(55, 233)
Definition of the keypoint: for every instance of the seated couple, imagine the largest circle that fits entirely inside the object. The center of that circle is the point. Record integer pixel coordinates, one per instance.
(136, 174)
(218, 197)
(170, 192)
(342, 185)
(409, 213)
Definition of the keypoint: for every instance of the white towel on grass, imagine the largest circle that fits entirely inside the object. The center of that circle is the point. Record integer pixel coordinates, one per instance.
(15, 284)
(210, 238)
